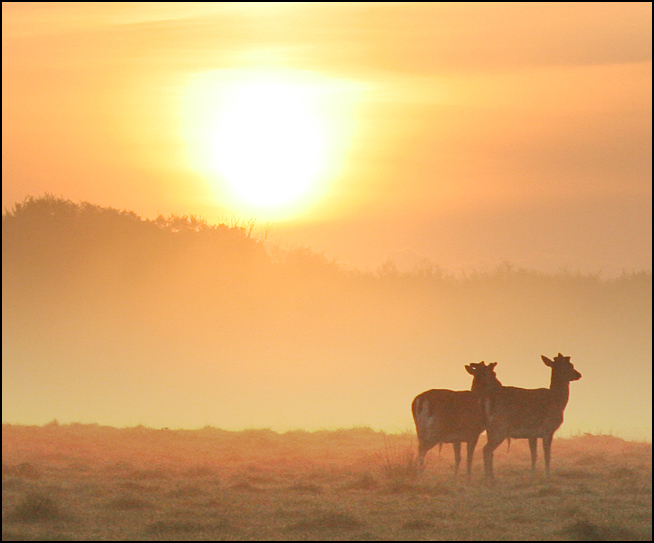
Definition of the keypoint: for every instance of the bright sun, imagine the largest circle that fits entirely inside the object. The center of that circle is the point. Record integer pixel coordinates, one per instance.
(266, 137)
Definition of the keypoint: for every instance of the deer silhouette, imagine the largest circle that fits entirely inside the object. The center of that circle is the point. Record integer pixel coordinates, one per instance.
(448, 416)
(511, 412)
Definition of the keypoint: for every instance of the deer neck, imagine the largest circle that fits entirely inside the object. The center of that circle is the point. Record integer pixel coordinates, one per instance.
(560, 391)
(485, 390)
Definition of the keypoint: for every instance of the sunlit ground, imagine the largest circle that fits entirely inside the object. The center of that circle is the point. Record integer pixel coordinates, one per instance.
(92, 483)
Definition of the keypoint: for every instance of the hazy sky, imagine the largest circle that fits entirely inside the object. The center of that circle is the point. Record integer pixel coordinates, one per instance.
(469, 134)
(466, 133)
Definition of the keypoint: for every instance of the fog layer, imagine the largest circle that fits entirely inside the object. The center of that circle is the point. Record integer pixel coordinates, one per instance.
(174, 322)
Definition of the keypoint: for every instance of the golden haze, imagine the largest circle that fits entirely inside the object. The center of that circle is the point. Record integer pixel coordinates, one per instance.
(471, 181)
(111, 319)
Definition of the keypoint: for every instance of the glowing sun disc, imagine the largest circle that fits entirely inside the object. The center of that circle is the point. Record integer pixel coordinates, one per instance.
(267, 137)
(268, 143)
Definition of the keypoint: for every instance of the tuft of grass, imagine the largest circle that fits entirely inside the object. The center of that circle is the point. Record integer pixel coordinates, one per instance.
(133, 487)
(186, 491)
(12, 484)
(171, 527)
(623, 473)
(400, 462)
(246, 486)
(545, 491)
(574, 473)
(417, 525)
(404, 487)
(363, 482)
(37, 507)
(328, 521)
(150, 474)
(308, 488)
(24, 470)
(200, 471)
(129, 503)
(591, 460)
(584, 530)
(119, 466)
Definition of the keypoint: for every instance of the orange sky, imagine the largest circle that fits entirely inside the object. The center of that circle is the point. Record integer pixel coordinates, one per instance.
(478, 132)
(469, 134)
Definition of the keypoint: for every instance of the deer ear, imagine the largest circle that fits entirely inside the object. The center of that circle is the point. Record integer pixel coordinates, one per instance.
(547, 361)
(492, 365)
(470, 370)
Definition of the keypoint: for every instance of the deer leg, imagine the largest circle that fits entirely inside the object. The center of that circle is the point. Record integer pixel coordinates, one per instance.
(533, 447)
(488, 460)
(422, 451)
(457, 456)
(547, 450)
(471, 451)
(492, 444)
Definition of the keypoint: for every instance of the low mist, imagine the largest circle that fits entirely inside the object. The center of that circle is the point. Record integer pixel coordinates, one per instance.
(112, 319)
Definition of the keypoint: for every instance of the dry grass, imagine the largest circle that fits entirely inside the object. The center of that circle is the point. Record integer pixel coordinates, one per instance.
(91, 483)
(400, 458)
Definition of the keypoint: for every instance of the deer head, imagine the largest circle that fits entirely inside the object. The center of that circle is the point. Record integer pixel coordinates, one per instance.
(562, 369)
(485, 380)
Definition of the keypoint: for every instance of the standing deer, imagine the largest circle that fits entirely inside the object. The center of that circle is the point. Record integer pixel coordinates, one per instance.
(448, 416)
(512, 412)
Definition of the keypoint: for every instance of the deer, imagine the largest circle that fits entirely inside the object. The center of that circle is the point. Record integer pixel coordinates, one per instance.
(448, 416)
(511, 412)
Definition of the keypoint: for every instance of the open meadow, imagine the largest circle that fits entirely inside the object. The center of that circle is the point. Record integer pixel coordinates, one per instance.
(258, 256)
(90, 482)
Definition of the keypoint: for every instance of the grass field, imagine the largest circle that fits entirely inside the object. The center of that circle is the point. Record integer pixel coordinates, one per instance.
(87, 482)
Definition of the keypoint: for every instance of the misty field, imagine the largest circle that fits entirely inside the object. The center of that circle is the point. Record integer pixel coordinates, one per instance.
(79, 482)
